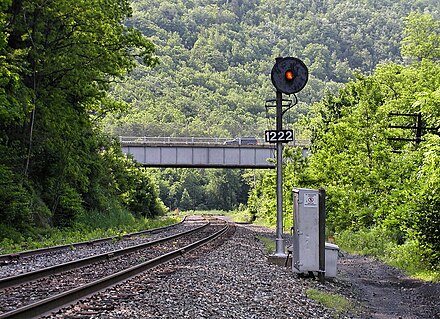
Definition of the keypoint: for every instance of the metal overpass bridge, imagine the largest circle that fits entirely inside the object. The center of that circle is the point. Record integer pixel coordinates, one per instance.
(200, 152)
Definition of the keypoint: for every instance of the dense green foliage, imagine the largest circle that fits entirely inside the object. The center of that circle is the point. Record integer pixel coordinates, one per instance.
(207, 189)
(216, 56)
(90, 227)
(58, 59)
(373, 182)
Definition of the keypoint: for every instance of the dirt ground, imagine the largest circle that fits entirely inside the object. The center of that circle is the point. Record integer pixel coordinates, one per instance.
(385, 292)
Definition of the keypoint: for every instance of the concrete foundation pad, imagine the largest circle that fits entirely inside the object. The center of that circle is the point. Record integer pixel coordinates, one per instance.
(280, 261)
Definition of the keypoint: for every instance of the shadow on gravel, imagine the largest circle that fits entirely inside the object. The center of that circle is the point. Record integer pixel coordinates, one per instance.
(386, 292)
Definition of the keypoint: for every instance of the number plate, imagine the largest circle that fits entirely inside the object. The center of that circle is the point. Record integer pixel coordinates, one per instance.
(283, 136)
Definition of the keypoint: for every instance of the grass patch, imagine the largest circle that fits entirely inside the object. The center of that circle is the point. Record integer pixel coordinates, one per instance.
(86, 228)
(265, 222)
(214, 212)
(338, 303)
(240, 215)
(268, 243)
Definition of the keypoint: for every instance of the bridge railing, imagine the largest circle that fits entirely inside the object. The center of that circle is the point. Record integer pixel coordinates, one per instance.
(171, 140)
(193, 140)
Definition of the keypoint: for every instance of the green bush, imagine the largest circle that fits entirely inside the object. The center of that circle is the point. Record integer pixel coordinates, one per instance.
(15, 200)
(242, 214)
(104, 220)
(9, 234)
(371, 242)
(384, 245)
(86, 228)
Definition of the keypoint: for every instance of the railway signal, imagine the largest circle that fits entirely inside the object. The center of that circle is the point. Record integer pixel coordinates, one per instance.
(289, 75)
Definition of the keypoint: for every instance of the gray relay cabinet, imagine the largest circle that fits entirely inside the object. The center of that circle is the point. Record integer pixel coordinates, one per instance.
(306, 230)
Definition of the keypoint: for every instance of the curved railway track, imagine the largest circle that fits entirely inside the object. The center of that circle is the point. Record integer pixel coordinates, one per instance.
(38, 292)
(15, 256)
(51, 257)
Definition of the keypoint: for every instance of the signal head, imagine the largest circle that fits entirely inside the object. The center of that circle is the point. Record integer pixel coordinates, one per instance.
(289, 75)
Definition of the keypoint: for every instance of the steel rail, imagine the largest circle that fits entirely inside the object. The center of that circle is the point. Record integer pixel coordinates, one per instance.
(44, 272)
(43, 250)
(47, 305)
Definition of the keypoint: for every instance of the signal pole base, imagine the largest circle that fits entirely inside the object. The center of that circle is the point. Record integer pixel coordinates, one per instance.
(280, 252)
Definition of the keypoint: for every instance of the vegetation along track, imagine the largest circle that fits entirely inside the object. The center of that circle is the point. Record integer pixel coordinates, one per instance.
(53, 289)
(32, 260)
(11, 258)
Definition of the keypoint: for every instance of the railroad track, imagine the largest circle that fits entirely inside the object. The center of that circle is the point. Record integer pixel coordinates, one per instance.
(32, 260)
(35, 293)
(4, 259)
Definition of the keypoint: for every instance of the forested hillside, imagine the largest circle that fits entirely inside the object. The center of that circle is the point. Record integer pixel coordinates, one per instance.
(216, 56)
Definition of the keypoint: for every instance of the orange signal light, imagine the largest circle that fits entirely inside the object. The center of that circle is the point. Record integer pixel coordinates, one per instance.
(289, 75)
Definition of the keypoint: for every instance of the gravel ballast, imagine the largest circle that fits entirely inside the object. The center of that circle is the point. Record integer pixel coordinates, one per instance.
(232, 278)
(235, 280)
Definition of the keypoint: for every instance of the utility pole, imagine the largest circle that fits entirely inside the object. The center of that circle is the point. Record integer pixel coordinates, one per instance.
(417, 128)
